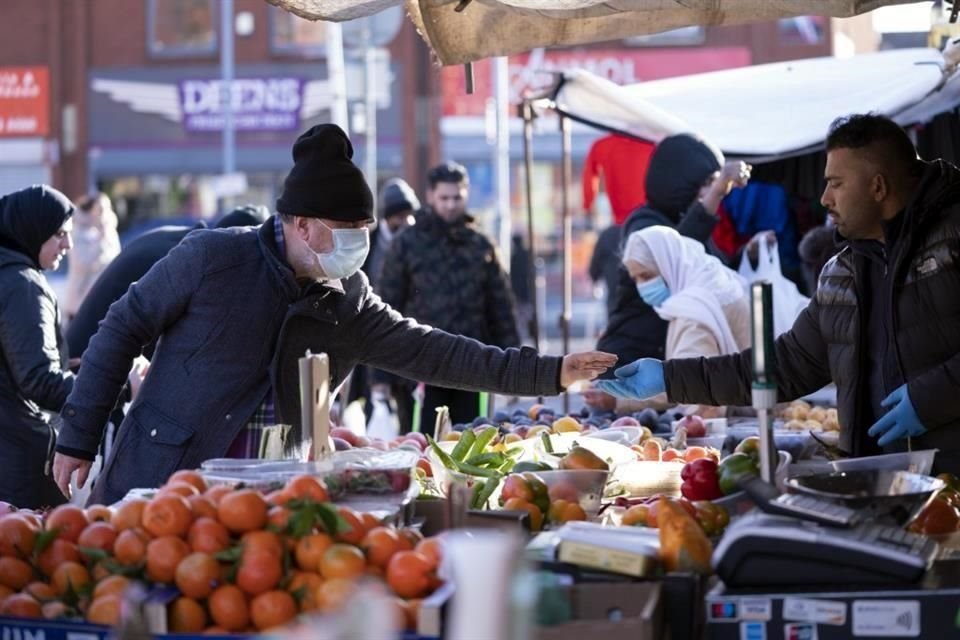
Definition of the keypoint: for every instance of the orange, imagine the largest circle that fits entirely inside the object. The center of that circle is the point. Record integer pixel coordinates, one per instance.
(57, 553)
(53, 610)
(636, 516)
(69, 577)
(197, 575)
(412, 536)
(342, 561)
(99, 571)
(278, 518)
(216, 493)
(189, 477)
(228, 608)
(184, 489)
(410, 574)
(303, 587)
(130, 547)
(202, 507)
(519, 504)
(304, 486)
(15, 573)
(99, 535)
(243, 510)
(167, 515)
(262, 541)
(186, 615)
(99, 513)
(129, 514)
(354, 531)
(112, 585)
(68, 520)
(277, 498)
(370, 521)
(259, 571)
(310, 549)
(272, 609)
(17, 536)
(432, 548)
(163, 556)
(333, 594)
(105, 610)
(208, 535)
(21, 605)
(380, 544)
(40, 591)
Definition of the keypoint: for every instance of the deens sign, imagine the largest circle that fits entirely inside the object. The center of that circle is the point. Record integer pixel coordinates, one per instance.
(259, 104)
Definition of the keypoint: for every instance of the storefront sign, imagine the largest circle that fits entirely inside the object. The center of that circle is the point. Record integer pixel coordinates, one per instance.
(258, 104)
(532, 72)
(24, 101)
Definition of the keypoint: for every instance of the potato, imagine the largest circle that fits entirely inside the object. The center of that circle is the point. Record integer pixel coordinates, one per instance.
(831, 424)
(813, 425)
(817, 413)
(794, 425)
(795, 412)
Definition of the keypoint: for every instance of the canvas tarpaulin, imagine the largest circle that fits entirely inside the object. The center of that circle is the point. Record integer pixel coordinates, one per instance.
(487, 28)
(768, 111)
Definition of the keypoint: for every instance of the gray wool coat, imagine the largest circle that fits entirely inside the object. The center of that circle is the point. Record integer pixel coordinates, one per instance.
(232, 321)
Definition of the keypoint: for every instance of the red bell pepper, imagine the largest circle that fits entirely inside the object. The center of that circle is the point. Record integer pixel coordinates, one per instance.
(700, 480)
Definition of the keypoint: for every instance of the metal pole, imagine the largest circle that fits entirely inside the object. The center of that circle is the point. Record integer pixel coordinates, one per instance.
(370, 104)
(501, 158)
(527, 114)
(566, 180)
(337, 77)
(226, 79)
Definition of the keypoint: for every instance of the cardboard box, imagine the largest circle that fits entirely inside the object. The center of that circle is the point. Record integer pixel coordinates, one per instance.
(611, 611)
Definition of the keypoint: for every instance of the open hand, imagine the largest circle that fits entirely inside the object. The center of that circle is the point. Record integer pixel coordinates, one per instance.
(585, 366)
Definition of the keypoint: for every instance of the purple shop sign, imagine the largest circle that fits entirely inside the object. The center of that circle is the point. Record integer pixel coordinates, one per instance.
(259, 104)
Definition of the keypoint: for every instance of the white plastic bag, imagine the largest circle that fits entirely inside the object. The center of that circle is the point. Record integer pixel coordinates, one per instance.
(788, 302)
(383, 422)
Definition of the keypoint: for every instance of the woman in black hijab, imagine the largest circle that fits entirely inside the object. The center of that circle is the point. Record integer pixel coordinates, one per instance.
(35, 228)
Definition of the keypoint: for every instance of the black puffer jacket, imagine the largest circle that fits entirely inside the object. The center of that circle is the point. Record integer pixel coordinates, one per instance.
(33, 377)
(826, 342)
(449, 276)
(678, 169)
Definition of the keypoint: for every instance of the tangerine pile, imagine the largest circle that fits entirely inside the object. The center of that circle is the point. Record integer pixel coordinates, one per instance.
(242, 561)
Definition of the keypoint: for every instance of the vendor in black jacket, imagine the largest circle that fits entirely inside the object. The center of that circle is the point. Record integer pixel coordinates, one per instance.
(35, 226)
(685, 183)
(884, 322)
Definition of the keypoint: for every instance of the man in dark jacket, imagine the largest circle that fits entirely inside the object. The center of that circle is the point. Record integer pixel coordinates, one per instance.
(882, 323)
(685, 182)
(35, 226)
(445, 273)
(234, 311)
(134, 261)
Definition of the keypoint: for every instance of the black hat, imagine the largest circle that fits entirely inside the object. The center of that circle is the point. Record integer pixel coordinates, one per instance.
(324, 183)
(397, 197)
(678, 168)
(249, 215)
(29, 217)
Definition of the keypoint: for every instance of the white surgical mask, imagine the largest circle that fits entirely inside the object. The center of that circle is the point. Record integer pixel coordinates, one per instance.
(350, 249)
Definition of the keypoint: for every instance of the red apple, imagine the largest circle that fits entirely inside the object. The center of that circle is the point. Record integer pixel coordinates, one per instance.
(345, 434)
(695, 426)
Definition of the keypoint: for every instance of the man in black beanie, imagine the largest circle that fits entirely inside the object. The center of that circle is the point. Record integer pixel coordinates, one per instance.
(233, 311)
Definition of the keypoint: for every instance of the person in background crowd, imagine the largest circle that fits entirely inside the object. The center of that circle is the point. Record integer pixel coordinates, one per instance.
(35, 226)
(703, 302)
(882, 325)
(816, 248)
(234, 310)
(446, 273)
(605, 263)
(95, 245)
(523, 295)
(686, 180)
(398, 207)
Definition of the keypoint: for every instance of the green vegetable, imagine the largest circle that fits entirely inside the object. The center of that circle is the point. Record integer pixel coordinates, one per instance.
(734, 467)
(471, 470)
(447, 461)
(547, 445)
(526, 465)
(488, 488)
(467, 438)
(491, 459)
(483, 439)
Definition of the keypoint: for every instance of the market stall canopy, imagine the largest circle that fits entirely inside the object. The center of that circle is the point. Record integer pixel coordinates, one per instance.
(486, 28)
(772, 110)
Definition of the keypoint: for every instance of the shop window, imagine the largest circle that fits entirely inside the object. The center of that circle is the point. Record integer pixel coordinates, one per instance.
(182, 27)
(295, 35)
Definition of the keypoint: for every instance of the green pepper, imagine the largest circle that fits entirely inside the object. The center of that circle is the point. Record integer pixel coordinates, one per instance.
(734, 467)
(750, 446)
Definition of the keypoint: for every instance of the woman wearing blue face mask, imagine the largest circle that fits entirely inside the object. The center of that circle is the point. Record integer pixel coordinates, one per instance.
(703, 302)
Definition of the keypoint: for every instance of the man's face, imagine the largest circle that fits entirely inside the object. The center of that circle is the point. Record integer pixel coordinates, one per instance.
(449, 200)
(851, 195)
(400, 221)
(56, 246)
(317, 237)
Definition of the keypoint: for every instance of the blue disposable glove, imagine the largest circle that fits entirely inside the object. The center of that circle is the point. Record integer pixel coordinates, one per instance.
(900, 422)
(639, 380)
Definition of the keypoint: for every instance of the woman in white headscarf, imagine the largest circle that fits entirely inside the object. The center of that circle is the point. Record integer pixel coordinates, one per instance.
(703, 301)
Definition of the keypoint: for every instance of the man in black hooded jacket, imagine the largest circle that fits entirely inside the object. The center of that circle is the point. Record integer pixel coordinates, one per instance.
(685, 182)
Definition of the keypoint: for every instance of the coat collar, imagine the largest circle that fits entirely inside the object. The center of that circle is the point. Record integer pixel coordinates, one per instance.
(282, 271)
